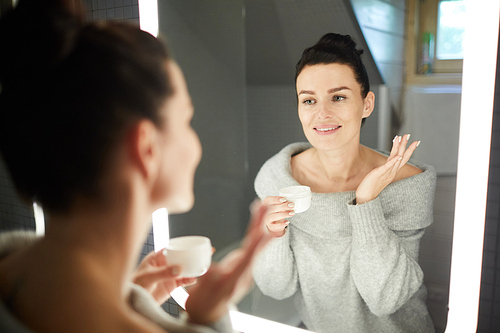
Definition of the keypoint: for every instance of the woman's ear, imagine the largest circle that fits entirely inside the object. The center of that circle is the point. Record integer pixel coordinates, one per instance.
(144, 148)
(369, 104)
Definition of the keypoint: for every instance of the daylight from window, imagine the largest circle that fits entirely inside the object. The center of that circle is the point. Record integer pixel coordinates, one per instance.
(450, 30)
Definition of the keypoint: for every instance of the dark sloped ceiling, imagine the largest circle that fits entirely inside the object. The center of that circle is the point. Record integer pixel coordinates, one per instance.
(277, 31)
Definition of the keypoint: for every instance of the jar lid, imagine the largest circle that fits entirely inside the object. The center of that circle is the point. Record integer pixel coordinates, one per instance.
(296, 191)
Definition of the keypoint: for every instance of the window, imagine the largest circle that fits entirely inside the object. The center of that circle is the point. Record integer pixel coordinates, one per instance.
(444, 21)
(450, 30)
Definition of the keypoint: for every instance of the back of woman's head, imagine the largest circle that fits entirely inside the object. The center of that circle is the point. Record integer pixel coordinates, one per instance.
(69, 90)
(336, 49)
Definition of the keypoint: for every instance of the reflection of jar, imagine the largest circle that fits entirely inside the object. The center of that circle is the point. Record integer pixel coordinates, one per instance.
(427, 56)
(299, 195)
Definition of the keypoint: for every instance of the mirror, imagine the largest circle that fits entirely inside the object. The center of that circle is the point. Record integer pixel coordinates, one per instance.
(240, 73)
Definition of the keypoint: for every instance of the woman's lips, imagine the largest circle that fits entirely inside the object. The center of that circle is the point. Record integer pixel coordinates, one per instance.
(326, 129)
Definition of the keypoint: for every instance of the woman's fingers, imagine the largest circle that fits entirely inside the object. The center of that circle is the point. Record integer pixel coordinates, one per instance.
(278, 211)
(277, 204)
(158, 274)
(404, 142)
(399, 148)
(395, 146)
(159, 258)
(407, 154)
(278, 225)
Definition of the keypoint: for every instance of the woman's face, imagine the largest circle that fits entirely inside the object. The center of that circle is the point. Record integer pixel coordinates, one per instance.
(181, 147)
(330, 105)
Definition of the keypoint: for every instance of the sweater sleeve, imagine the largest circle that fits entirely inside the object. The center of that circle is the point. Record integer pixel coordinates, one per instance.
(274, 270)
(385, 246)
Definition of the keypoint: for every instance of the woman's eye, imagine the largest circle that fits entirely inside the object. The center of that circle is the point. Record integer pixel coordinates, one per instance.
(338, 98)
(308, 101)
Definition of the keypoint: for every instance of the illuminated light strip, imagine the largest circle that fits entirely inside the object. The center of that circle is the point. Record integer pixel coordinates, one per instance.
(39, 220)
(243, 322)
(148, 16)
(478, 87)
(161, 233)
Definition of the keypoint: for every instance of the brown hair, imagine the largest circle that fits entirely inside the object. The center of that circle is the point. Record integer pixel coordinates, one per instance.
(68, 91)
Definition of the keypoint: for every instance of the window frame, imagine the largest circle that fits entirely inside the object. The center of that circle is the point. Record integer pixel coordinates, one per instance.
(428, 17)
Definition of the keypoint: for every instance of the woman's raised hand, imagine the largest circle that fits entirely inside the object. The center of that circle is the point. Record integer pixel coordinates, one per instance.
(156, 276)
(229, 280)
(380, 177)
(279, 210)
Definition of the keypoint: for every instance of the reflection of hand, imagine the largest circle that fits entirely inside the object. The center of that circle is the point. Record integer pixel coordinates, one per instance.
(382, 176)
(277, 213)
(229, 280)
(154, 275)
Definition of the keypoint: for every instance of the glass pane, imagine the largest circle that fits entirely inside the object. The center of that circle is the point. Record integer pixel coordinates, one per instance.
(450, 29)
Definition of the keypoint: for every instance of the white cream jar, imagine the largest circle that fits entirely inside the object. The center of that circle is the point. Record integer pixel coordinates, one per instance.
(299, 195)
(192, 253)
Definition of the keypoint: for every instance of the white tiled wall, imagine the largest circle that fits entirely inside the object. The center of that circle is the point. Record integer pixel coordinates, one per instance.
(435, 251)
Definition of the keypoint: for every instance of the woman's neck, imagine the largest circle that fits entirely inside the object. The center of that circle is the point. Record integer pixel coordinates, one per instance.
(106, 237)
(331, 171)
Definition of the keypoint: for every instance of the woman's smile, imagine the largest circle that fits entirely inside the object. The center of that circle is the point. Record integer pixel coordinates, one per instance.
(326, 129)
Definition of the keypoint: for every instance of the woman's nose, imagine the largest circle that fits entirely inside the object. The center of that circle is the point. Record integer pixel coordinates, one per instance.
(323, 111)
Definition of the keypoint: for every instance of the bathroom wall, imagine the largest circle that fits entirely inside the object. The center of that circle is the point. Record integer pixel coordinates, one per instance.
(383, 25)
(207, 41)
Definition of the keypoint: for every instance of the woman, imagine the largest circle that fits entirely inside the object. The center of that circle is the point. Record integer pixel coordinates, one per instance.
(95, 126)
(350, 260)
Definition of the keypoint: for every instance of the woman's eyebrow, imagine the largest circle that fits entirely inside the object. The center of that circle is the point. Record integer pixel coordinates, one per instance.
(330, 91)
(338, 89)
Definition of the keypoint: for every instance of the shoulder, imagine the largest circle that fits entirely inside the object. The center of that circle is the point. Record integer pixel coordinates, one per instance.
(407, 171)
(103, 313)
(410, 169)
(285, 154)
(276, 171)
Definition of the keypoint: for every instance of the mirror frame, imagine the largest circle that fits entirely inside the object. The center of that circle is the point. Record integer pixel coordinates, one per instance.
(482, 25)
(472, 171)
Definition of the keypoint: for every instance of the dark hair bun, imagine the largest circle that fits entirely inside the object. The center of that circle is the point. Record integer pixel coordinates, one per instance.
(35, 36)
(333, 40)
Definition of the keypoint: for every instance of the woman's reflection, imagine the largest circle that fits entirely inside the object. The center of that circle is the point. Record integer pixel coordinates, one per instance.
(351, 259)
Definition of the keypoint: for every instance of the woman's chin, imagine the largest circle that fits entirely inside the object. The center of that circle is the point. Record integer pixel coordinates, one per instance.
(181, 205)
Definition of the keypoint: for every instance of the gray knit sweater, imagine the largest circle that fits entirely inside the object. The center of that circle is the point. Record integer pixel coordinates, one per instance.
(351, 268)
